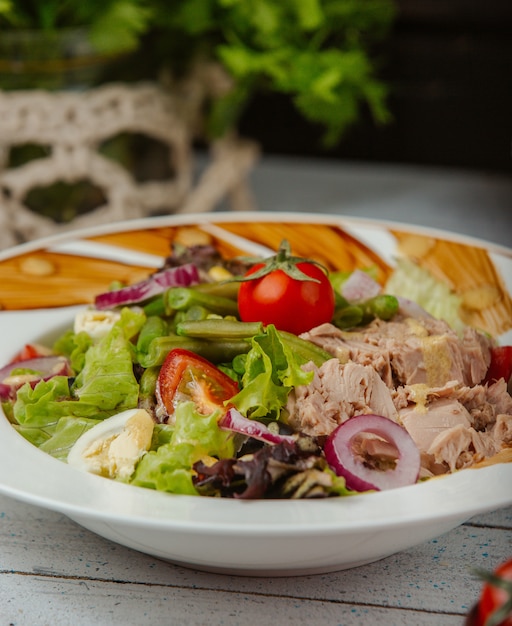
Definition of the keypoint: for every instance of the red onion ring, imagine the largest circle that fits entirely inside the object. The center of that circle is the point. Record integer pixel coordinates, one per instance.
(359, 477)
(181, 276)
(46, 367)
(409, 308)
(359, 287)
(235, 421)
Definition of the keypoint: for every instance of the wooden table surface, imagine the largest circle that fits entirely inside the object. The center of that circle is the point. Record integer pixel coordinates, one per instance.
(53, 572)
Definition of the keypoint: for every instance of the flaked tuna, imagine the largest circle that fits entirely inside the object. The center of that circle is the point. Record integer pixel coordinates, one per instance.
(424, 425)
(456, 426)
(338, 392)
(419, 372)
(410, 351)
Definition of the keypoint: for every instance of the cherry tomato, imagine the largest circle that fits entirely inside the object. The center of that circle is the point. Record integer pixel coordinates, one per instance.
(501, 364)
(290, 304)
(493, 598)
(185, 375)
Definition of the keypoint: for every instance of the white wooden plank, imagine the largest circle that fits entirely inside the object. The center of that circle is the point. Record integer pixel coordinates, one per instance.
(60, 602)
(435, 574)
(497, 519)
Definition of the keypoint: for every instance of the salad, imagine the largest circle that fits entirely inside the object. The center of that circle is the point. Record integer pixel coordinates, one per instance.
(263, 378)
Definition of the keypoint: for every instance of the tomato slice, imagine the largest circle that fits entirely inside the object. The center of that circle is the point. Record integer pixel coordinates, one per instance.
(501, 364)
(185, 375)
(30, 351)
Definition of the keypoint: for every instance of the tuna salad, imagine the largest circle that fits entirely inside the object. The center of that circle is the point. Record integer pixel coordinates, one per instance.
(262, 378)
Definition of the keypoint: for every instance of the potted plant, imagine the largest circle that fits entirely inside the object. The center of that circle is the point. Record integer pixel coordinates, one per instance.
(66, 43)
(318, 53)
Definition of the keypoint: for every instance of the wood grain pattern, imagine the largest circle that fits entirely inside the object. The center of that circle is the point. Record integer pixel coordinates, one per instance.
(153, 241)
(43, 279)
(52, 567)
(470, 272)
(74, 280)
(330, 245)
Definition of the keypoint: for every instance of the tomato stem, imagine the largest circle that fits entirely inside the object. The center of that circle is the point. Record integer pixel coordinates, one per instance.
(283, 260)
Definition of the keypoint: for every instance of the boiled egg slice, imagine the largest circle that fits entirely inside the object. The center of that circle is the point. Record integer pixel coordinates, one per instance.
(96, 324)
(113, 447)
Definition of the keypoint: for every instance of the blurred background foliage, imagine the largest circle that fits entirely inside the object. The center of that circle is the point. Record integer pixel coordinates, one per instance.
(408, 81)
(319, 54)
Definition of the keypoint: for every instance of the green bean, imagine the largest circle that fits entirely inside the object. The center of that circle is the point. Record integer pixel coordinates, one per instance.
(215, 351)
(339, 301)
(153, 327)
(348, 316)
(180, 298)
(196, 313)
(148, 380)
(224, 288)
(156, 306)
(306, 349)
(179, 316)
(383, 306)
(219, 328)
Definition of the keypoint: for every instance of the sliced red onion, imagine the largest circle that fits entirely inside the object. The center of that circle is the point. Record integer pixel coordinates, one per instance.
(359, 287)
(44, 368)
(409, 308)
(359, 477)
(181, 276)
(235, 421)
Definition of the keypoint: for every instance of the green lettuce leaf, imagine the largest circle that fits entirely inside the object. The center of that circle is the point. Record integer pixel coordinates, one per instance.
(107, 379)
(67, 431)
(40, 408)
(43, 405)
(73, 346)
(272, 368)
(169, 468)
(105, 385)
(131, 322)
(411, 281)
(162, 434)
(35, 435)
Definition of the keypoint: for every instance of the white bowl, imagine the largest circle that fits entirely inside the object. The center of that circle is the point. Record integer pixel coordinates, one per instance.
(232, 536)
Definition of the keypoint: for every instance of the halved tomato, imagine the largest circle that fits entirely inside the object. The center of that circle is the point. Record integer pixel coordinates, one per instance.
(185, 375)
(31, 351)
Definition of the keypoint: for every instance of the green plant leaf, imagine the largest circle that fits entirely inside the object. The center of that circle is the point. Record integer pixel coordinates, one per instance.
(310, 13)
(119, 28)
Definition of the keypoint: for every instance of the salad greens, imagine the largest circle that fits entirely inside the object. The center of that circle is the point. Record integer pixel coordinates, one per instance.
(121, 368)
(54, 413)
(168, 468)
(271, 369)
